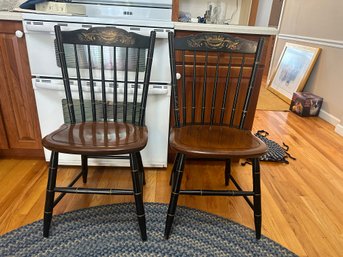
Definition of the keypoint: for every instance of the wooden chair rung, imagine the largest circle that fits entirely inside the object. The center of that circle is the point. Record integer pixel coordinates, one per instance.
(101, 191)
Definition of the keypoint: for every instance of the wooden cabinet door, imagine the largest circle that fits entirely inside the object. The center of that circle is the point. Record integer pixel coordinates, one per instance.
(3, 136)
(18, 107)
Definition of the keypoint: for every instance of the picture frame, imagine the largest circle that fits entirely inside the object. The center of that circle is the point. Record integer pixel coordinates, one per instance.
(293, 69)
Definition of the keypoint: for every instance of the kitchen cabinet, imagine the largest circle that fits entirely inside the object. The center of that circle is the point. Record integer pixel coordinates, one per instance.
(19, 126)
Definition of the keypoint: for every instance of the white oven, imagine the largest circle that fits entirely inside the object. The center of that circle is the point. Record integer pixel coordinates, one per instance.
(46, 73)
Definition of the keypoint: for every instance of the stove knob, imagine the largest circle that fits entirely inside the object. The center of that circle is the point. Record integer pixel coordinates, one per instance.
(19, 34)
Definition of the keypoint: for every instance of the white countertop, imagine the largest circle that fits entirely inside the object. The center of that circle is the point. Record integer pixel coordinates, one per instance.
(239, 29)
(12, 16)
(17, 16)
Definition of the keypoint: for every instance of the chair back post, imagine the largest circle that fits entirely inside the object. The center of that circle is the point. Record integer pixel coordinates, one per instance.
(174, 90)
(147, 76)
(64, 70)
(252, 81)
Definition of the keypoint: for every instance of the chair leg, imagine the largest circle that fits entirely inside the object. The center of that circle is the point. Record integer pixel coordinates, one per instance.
(257, 197)
(50, 194)
(227, 171)
(174, 195)
(138, 193)
(172, 174)
(84, 167)
(141, 167)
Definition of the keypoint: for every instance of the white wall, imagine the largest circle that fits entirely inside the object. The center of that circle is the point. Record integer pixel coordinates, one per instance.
(318, 23)
(263, 12)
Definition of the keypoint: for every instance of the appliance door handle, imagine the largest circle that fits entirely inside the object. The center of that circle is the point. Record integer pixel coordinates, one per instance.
(58, 86)
(50, 84)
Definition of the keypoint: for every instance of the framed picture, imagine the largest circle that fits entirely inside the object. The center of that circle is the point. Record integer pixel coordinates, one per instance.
(293, 69)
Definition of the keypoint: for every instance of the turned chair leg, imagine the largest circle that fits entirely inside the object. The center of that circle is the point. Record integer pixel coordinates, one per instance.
(138, 194)
(141, 167)
(175, 194)
(172, 174)
(84, 167)
(227, 171)
(50, 193)
(257, 197)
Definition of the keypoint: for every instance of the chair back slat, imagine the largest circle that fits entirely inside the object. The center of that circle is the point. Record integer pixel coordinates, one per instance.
(115, 85)
(194, 87)
(237, 91)
(103, 85)
(111, 68)
(218, 78)
(184, 102)
(203, 102)
(214, 93)
(227, 81)
(79, 85)
(135, 89)
(125, 84)
(91, 83)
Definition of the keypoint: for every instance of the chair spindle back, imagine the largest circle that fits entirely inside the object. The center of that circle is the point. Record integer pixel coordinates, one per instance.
(217, 78)
(106, 73)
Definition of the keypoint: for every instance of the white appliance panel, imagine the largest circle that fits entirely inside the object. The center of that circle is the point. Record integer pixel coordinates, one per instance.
(40, 42)
(50, 115)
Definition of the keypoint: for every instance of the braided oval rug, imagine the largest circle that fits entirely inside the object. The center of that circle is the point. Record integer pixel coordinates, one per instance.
(112, 230)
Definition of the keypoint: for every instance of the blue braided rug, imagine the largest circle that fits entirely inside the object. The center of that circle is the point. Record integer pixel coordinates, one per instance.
(112, 230)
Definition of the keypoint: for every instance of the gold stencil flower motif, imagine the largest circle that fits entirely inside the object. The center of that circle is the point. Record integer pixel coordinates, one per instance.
(107, 36)
(214, 42)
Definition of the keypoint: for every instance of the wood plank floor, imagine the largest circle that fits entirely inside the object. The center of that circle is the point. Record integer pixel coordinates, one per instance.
(301, 202)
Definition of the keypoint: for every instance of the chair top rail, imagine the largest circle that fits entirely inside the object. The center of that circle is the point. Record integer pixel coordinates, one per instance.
(216, 42)
(105, 36)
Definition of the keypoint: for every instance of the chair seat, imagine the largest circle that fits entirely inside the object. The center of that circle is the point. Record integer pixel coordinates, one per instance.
(97, 138)
(216, 142)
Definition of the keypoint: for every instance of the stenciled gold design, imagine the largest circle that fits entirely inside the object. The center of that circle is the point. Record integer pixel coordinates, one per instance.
(107, 36)
(214, 42)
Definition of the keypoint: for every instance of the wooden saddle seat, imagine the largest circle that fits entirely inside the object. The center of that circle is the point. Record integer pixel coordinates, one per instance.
(219, 142)
(97, 138)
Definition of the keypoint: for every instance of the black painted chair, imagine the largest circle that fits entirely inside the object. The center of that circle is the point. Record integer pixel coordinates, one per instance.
(106, 74)
(213, 79)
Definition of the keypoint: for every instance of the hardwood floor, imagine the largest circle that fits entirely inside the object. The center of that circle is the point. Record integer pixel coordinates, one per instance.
(301, 202)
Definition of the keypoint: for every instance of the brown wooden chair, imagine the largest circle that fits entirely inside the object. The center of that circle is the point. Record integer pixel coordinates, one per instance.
(211, 101)
(106, 74)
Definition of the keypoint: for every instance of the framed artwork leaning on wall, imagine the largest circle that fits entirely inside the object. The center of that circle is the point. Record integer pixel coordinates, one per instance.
(293, 69)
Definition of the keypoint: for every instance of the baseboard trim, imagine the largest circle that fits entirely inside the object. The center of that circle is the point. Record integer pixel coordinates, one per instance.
(329, 118)
(333, 121)
(339, 129)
